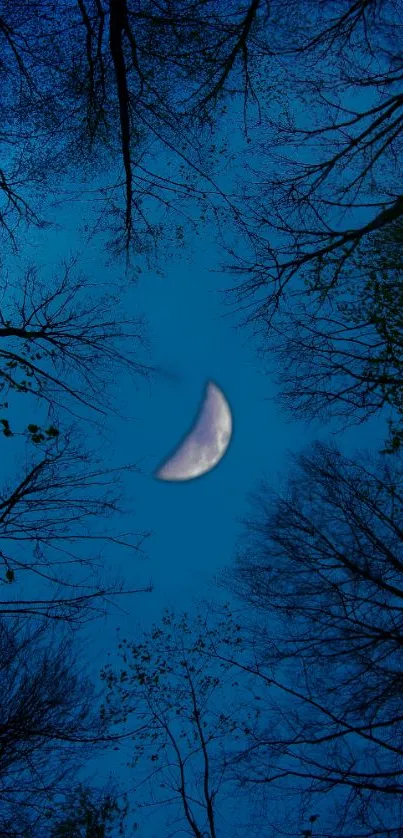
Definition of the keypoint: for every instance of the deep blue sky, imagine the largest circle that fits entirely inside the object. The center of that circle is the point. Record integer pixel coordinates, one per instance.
(194, 524)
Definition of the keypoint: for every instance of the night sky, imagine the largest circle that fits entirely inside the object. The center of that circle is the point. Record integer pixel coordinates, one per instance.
(193, 337)
(195, 524)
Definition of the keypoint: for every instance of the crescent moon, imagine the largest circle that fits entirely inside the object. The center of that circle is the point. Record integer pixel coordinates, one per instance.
(206, 443)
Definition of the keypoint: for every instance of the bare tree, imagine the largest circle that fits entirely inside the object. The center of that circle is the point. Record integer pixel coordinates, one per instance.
(174, 690)
(51, 518)
(344, 357)
(65, 340)
(30, 73)
(165, 68)
(321, 566)
(111, 81)
(49, 728)
(308, 208)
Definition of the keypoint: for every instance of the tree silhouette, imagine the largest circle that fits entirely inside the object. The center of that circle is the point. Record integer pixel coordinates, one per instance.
(173, 688)
(109, 81)
(323, 177)
(321, 567)
(49, 728)
(46, 529)
(344, 358)
(30, 73)
(63, 341)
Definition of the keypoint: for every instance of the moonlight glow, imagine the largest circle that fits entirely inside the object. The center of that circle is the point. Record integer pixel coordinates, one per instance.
(206, 443)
